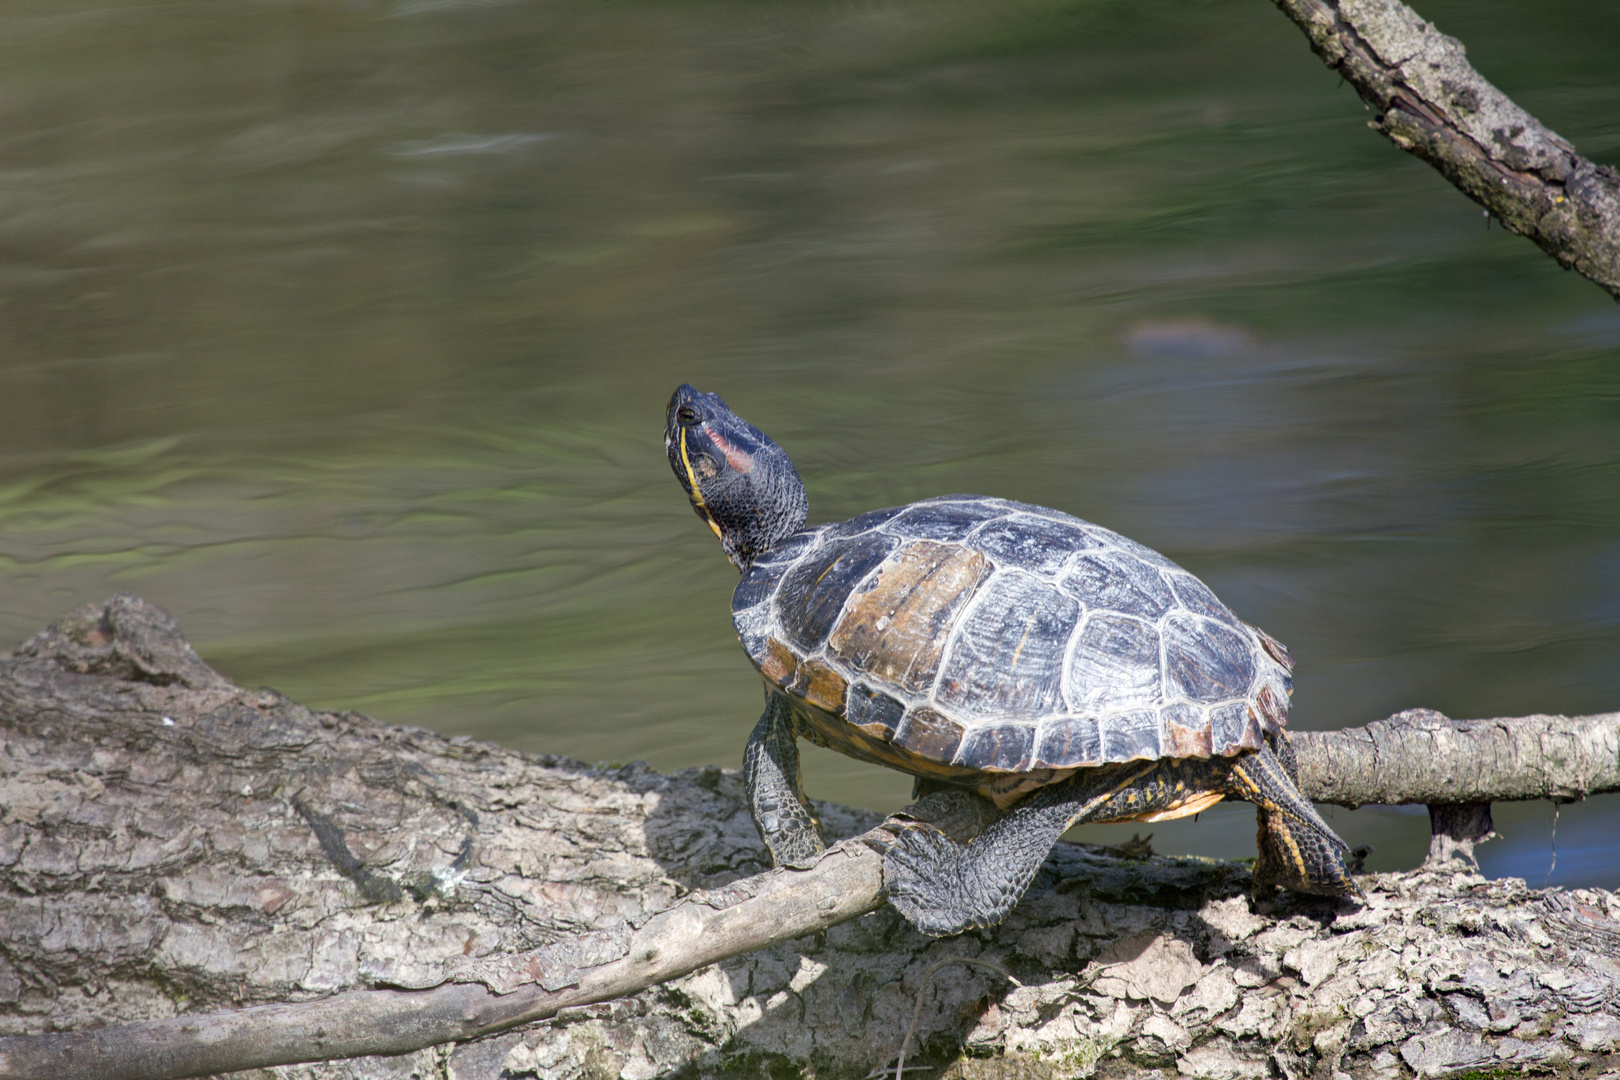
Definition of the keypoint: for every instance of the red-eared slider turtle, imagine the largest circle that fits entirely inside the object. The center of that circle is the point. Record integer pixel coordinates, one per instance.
(1049, 664)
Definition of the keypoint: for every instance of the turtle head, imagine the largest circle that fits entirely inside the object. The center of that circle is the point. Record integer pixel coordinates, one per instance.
(740, 482)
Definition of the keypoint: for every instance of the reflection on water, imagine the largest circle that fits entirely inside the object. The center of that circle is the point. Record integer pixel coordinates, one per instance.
(345, 332)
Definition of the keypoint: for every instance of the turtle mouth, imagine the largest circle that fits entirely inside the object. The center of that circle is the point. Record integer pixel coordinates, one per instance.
(675, 443)
(686, 442)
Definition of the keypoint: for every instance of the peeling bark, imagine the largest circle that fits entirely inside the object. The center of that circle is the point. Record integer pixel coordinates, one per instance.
(174, 846)
(1431, 103)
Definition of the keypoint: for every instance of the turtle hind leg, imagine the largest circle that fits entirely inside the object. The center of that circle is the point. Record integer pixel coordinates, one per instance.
(775, 793)
(943, 887)
(1297, 848)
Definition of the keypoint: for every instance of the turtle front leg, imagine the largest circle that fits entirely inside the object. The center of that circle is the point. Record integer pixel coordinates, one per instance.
(1297, 848)
(775, 795)
(943, 887)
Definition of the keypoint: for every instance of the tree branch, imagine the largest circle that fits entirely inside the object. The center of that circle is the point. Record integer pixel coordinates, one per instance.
(1430, 102)
(1420, 756)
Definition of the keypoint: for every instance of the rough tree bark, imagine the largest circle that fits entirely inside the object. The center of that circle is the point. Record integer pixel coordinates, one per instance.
(1430, 102)
(1457, 767)
(174, 845)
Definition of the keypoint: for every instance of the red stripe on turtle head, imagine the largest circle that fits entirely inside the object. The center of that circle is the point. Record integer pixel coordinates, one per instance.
(738, 459)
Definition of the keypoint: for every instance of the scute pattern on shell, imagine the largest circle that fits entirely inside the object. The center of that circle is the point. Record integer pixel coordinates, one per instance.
(987, 635)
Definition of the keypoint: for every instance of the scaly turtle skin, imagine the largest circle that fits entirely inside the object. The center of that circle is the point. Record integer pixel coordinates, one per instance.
(1058, 668)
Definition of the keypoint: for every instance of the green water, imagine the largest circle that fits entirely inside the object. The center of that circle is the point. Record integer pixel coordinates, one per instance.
(344, 332)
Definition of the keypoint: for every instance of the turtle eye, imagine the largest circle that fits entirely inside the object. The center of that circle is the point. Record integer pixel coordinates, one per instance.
(687, 415)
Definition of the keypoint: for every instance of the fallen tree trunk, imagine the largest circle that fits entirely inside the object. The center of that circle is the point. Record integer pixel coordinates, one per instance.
(175, 845)
(1429, 101)
(479, 999)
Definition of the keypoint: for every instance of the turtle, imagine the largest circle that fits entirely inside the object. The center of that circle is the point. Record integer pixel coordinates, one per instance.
(1053, 666)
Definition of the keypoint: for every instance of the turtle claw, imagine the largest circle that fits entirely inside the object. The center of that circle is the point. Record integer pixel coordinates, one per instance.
(792, 842)
(1297, 849)
(1302, 855)
(775, 799)
(921, 870)
(944, 888)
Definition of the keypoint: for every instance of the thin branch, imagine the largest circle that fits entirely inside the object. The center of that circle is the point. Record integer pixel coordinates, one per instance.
(1430, 102)
(1420, 756)
(916, 1012)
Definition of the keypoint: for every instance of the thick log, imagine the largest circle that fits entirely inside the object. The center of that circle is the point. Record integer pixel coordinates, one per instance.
(703, 929)
(174, 846)
(1429, 101)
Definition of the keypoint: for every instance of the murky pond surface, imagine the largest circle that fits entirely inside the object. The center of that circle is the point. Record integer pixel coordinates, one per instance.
(344, 331)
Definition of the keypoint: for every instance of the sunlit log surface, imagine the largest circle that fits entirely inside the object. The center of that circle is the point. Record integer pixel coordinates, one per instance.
(176, 846)
(1429, 101)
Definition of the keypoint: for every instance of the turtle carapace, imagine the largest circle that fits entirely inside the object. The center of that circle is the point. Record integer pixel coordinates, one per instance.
(1056, 667)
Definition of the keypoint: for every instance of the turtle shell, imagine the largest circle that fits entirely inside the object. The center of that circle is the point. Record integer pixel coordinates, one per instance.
(965, 636)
